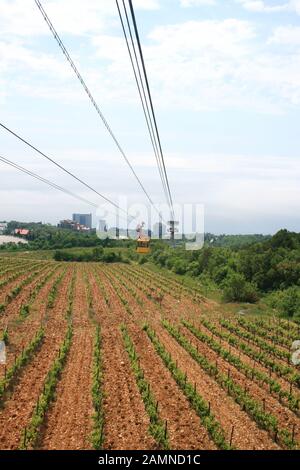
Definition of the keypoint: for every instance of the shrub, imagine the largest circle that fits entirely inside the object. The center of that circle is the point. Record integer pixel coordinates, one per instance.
(286, 301)
(180, 267)
(237, 289)
(97, 254)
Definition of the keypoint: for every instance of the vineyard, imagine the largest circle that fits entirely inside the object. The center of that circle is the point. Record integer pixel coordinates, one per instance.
(115, 356)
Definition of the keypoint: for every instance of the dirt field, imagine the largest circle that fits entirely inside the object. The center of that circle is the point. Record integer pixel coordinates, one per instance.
(117, 357)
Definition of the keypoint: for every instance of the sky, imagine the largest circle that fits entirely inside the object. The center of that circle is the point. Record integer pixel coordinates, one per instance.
(225, 82)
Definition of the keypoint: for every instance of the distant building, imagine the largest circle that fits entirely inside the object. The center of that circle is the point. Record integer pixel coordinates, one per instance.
(71, 225)
(83, 219)
(159, 230)
(21, 232)
(3, 227)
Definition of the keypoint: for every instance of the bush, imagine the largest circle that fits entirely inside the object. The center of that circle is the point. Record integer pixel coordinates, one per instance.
(237, 289)
(98, 254)
(180, 267)
(286, 301)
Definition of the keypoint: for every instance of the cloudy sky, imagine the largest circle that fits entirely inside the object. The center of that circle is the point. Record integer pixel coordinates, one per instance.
(225, 79)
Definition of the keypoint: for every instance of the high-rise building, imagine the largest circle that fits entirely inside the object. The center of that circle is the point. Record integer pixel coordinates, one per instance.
(83, 219)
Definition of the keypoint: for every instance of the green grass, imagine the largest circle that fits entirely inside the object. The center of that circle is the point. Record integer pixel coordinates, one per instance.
(48, 254)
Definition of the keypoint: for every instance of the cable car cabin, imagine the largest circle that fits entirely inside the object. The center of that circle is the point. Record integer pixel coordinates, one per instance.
(143, 245)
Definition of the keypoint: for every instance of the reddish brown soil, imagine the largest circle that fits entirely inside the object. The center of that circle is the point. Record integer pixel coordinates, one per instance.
(246, 359)
(246, 434)
(18, 329)
(256, 348)
(228, 413)
(69, 421)
(173, 309)
(265, 338)
(286, 418)
(186, 431)
(18, 408)
(13, 308)
(126, 421)
(184, 426)
(7, 289)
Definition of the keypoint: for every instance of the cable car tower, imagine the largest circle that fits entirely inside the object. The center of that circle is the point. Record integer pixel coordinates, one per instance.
(172, 230)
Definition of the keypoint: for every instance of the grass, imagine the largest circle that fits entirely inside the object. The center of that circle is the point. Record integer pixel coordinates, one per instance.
(48, 254)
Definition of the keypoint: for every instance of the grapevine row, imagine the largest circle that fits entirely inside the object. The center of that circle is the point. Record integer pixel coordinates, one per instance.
(197, 402)
(250, 372)
(254, 409)
(157, 427)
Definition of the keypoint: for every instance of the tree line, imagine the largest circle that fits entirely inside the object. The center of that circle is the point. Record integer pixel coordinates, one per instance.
(269, 268)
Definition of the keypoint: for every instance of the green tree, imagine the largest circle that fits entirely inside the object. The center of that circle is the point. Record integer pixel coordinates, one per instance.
(238, 289)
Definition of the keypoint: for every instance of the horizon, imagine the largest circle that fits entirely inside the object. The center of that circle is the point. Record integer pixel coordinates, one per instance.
(206, 232)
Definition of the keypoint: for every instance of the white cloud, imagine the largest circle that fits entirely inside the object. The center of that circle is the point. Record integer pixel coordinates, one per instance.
(286, 35)
(262, 6)
(227, 36)
(147, 4)
(215, 64)
(14, 54)
(267, 6)
(295, 6)
(191, 3)
(195, 65)
(77, 17)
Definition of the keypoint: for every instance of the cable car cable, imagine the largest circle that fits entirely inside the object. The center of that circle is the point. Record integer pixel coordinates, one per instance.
(141, 90)
(44, 180)
(93, 101)
(54, 185)
(151, 102)
(62, 168)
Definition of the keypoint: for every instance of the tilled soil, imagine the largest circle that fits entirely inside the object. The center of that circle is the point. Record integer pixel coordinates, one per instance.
(69, 420)
(246, 434)
(185, 308)
(246, 359)
(12, 309)
(227, 412)
(18, 408)
(22, 274)
(126, 421)
(184, 427)
(255, 347)
(69, 424)
(18, 329)
(286, 418)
